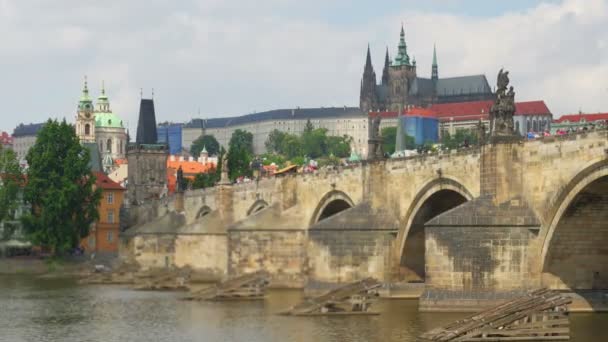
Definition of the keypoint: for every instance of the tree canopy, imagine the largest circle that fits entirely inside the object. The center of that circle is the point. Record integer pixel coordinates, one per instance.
(10, 181)
(208, 142)
(240, 153)
(389, 136)
(60, 189)
(462, 138)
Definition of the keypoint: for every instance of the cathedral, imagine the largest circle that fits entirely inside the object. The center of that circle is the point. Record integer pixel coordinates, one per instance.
(401, 88)
(98, 125)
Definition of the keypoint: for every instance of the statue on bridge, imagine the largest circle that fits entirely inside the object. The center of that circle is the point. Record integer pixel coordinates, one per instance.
(375, 150)
(180, 180)
(502, 111)
(224, 179)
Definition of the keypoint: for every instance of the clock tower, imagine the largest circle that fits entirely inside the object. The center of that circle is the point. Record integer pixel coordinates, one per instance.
(85, 117)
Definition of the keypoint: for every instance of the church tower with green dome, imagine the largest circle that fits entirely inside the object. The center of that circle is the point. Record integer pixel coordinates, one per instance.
(85, 116)
(110, 132)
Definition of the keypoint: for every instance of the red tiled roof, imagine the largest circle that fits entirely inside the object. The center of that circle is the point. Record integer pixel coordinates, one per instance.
(462, 108)
(104, 182)
(578, 117)
(6, 139)
(532, 108)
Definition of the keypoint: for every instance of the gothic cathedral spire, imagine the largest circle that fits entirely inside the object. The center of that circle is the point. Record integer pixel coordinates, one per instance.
(402, 57)
(387, 62)
(368, 99)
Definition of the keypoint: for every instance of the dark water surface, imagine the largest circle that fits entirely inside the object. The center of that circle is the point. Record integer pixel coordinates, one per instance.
(59, 310)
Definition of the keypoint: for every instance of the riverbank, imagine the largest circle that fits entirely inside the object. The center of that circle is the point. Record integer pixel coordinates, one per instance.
(48, 267)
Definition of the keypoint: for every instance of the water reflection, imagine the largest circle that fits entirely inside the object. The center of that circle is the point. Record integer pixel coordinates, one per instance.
(59, 310)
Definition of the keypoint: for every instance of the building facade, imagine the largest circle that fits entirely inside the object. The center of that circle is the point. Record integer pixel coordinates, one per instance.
(402, 88)
(103, 235)
(338, 121)
(24, 137)
(147, 159)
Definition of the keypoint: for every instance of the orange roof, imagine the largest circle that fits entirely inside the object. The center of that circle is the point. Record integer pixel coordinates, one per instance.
(580, 116)
(104, 182)
(121, 161)
(190, 167)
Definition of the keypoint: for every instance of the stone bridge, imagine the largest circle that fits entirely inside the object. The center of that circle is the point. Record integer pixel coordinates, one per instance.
(501, 218)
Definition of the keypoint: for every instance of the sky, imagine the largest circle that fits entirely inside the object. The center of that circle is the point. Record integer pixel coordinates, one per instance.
(214, 58)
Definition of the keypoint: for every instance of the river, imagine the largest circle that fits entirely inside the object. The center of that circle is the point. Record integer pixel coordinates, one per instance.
(60, 310)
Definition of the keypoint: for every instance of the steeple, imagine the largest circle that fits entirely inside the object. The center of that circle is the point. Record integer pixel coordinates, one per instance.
(387, 62)
(103, 104)
(368, 61)
(85, 103)
(402, 57)
(435, 68)
(368, 98)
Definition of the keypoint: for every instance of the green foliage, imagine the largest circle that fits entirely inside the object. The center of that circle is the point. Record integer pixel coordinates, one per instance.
(274, 143)
(461, 138)
(10, 181)
(205, 180)
(389, 135)
(339, 146)
(208, 142)
(269, 158)
(59, 189)
(309, 127)
(292, 146)
(240, 153)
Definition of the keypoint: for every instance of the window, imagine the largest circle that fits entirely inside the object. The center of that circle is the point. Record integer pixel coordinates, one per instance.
(110, 216)
(110, 198)
(110, 236)
(87, 129)
(109, 145)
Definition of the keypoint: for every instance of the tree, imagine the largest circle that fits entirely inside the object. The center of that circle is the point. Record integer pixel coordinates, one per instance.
(314, 143)
(240, 152)
(339, 146)
(208, 142)
(205, 180)
(60, 189)
(309, 127)
(10, 181)
(292, 146)
(389, 137)
(274, 142)
(462, 138)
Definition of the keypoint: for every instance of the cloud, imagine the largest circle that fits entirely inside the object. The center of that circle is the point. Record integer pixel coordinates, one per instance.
(236, 57)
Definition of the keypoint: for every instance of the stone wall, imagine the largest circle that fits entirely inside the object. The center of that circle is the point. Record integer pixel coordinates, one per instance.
(207, 253)
(154, 251)
(281, 253)
(338, 256)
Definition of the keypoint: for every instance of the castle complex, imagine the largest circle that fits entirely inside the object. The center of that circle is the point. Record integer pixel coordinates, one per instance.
(401, 88)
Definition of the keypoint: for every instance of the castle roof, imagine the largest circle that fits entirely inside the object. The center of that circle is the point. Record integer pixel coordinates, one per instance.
(27, 130)
(278, 114)
(104, 182)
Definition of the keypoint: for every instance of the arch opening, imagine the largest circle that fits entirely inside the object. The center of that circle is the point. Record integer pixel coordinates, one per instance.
(204, 211)
(256, 207)
(577, 249)
(334, 207)
(412, 264)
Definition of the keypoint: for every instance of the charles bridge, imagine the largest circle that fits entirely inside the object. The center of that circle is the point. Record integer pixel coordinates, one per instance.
(467, 225)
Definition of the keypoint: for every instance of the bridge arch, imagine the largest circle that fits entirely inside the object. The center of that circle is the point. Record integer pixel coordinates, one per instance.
(330, 204)
(573, 252)
(433, 198)
(257, 206)
(204, 211)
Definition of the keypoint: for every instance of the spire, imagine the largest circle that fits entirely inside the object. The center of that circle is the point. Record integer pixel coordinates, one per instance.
(387, 62)
(368, 59)
(85, 104)
(103, 87)
(402, 57)
(435, 68)
(85, 90)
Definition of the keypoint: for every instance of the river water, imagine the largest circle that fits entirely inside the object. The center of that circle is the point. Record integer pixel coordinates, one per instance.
(60, 310)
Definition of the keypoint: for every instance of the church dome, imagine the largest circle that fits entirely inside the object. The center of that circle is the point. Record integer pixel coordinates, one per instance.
(110, 120)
